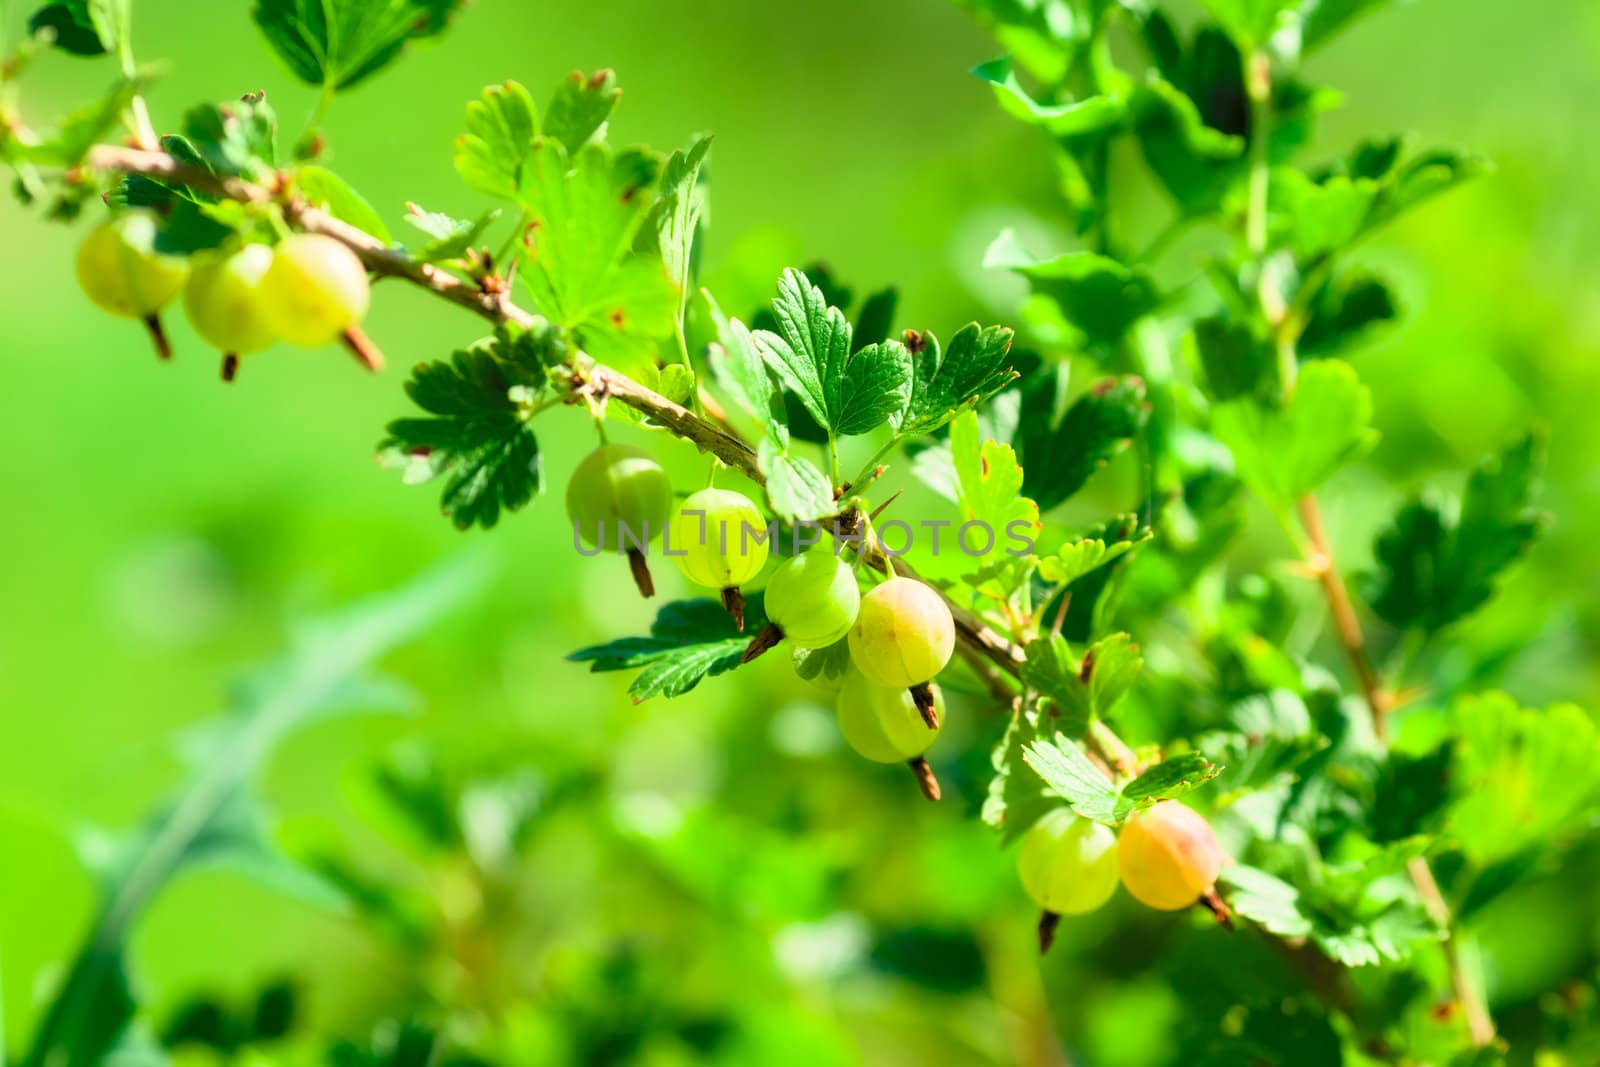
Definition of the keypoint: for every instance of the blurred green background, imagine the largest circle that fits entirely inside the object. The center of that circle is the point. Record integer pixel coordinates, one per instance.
(161, 529)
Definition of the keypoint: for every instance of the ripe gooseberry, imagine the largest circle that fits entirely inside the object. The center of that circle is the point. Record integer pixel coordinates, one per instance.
(1068, 865)
(1168, 856)
(620, 498)
(811, 601)
(719, 539)
(120, 270)
(903, 637)
(223, 303)
(315, 290)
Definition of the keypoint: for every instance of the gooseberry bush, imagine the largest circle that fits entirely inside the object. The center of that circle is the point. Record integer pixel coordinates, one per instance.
(1244, 735)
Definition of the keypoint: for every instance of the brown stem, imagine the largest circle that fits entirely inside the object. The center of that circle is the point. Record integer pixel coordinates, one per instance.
(1049, 921)
(230, 366)
(733, 600)
(158, 336)
(641, 573)
(361, 346)
(1474, 1005)
(925, 778)
(922, 697)
(769, 636)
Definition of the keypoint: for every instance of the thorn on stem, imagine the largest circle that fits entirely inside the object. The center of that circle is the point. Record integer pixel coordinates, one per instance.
(1048, 921)
(733, 600)
(769, 636)
(922, 696)
(361, 346)
(641, 573)
(158, 336)
(881, 508)
(925, 777)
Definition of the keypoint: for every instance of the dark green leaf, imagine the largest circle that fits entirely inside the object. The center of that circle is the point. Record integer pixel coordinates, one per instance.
(847, 392)
(1083, 690)
(238, 138)
(478, 436)
(1170, 778)
(1196, 163)
(1345, 312)
(1435, 566)
(875, 320)
(947, 382)
(1235, 360)
(1323, 19)
(1058, 460)
(674, 222)
(690, 640)
(339, 43)
(74, 28)
(1099, 296)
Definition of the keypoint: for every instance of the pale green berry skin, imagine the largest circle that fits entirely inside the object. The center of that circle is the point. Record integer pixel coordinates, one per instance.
(904, 634)
(223, 301)
(619, 498)
(724, 545)
(881, 724)
(813, 598)
(1068, 865)
(315, 290)
(122, 273)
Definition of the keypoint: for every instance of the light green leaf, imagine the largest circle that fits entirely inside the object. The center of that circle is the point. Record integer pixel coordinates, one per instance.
(1283, 453)
(324, 189)
(501, 127)
(989, 478)
(339, 43)
(1078, 558)
(1079, 118)
(580, 108)
(796, 489)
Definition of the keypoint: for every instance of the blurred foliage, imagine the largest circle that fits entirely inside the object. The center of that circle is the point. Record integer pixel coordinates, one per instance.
(535, 871)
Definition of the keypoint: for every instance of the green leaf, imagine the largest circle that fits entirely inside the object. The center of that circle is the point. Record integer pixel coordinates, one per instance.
(582, 269)
(988, 479)
(1522, 776)
(875, 319)
(1316, 218)
(847, 392)
(1017, 796)
(830, 663)
(1072, 776)
(69, 142)
(1323, 19)
(945, 383)
(340, 43)
(449, 238)
(1170, 779)
(1285, 452)
(1249, 22)
(1195, 163)
(1437, 565)
(796, 489)
(1092, 115)
(75, 28)
(478, 435)
(91, 1009)
(502, 125)
(737, 366)
(690, 640)
(1235, 360)
(1361, 932)
(1344, 312)
(324, 189)
(1078, 558)
(675, 220)
(580, 108)
(1083, 690)
(1059, 460)
(237, 138)
(1099, 296)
